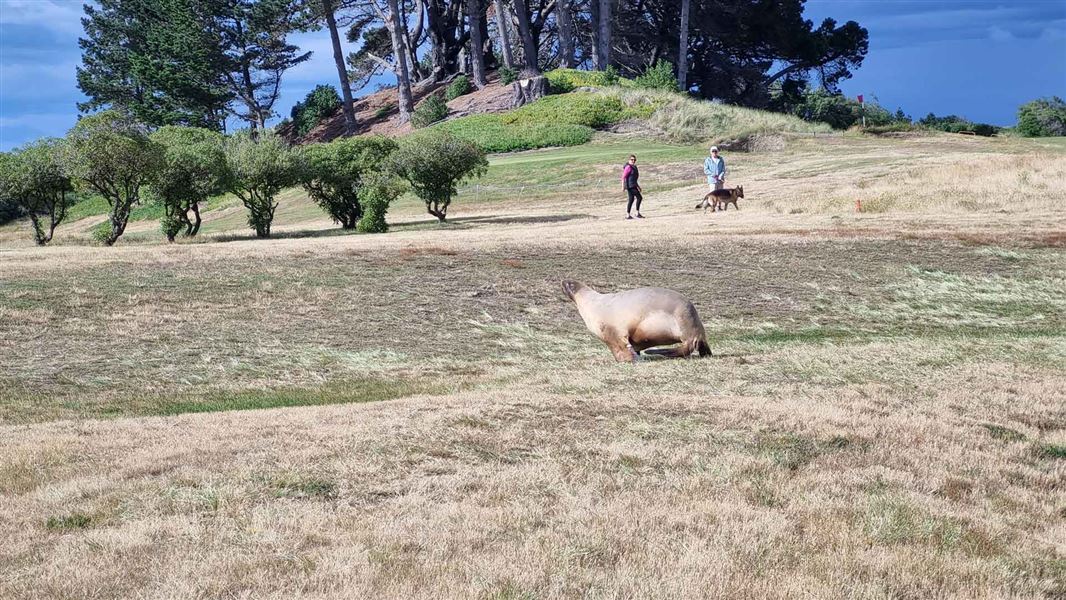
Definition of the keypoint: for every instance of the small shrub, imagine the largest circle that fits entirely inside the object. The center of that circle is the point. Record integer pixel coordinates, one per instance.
(377, 193)
(193, 170)
(319, 103)
(170, 226)
(258, 168)
(1042, 118)
(384, 111)
(458, 87)
(583, 108)
(101, 233)
(611, 76)
(434, 163)
(429, 111)
(957, 124)
(508, 75)
(658, 77)
(35, 181)
(333, 174)
(106, 148)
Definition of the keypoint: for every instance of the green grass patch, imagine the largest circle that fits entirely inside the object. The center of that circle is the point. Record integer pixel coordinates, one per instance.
(890, 521)
(792, 452)
(95, 205)
(564, 120)
(69, 522)
(357, 391)
(804, 336)
(562, 81)
(314, 488)
(492, 134)
(1005, 434)
(1045, 450)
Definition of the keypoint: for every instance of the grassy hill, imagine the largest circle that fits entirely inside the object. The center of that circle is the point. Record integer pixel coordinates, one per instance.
(423, 413)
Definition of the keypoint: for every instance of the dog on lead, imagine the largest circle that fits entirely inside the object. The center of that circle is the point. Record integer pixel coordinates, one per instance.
(719, 199)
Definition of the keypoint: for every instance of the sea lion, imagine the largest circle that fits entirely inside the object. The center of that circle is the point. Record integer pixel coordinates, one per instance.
(635, 320)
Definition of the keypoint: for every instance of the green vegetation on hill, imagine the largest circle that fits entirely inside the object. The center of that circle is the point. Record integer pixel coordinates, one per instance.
(562, 81)
(569, 119)
(317, 105)
(680, 118)
(563, 120)
(1042, 118)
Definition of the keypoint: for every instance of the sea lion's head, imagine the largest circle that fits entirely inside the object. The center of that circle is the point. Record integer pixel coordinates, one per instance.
(571, 288)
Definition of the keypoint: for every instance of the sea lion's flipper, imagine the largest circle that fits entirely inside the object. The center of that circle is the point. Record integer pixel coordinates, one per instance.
(684, 350)
(675, 352)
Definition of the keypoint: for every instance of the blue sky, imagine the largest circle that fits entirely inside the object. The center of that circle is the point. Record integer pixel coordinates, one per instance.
(980, 59)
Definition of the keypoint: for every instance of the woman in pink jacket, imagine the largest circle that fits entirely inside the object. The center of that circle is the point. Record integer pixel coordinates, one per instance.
(630, 183)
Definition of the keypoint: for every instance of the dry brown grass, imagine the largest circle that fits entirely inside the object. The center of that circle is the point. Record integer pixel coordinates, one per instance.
(885, 416)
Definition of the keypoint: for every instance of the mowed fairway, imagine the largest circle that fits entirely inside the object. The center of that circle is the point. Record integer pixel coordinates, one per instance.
(423, 414)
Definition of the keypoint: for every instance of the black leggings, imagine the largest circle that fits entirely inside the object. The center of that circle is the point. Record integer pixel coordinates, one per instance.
(633, 193)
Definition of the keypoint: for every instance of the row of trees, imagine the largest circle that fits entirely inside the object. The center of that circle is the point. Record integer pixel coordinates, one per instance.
(353, 179)
(199, 62)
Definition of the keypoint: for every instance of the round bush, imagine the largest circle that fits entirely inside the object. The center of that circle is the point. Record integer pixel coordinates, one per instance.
(658, 77)
(320, 103)
(459, 87)
(429, 111)
(1042, 118)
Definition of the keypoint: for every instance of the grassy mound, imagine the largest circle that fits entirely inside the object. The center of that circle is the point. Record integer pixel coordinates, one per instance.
(569, 119)
(564, 120)
(683, 119)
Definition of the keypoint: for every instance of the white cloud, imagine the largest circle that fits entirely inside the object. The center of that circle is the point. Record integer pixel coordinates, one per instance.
(998, 34)
(59, 16)
(1055, 31)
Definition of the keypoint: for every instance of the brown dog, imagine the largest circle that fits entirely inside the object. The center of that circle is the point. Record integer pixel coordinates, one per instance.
(718, 199)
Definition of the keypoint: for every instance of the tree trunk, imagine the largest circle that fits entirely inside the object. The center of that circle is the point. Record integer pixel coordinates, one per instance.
(447, 35)
(38, 231)
(594, 9)
(342, 72)
(529, 90)
(487, 51)
(682, 50)
(566, 35)
(475, 14)
(411, 39)
(604, 27)
(194, 228)
(505, 37)
(529, 49)
(403, 76)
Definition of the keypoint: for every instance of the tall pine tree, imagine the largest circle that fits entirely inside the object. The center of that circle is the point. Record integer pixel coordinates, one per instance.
(254, 40)
(156, 60)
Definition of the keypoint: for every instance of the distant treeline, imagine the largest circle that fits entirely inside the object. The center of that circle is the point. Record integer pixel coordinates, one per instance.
(201, 62)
